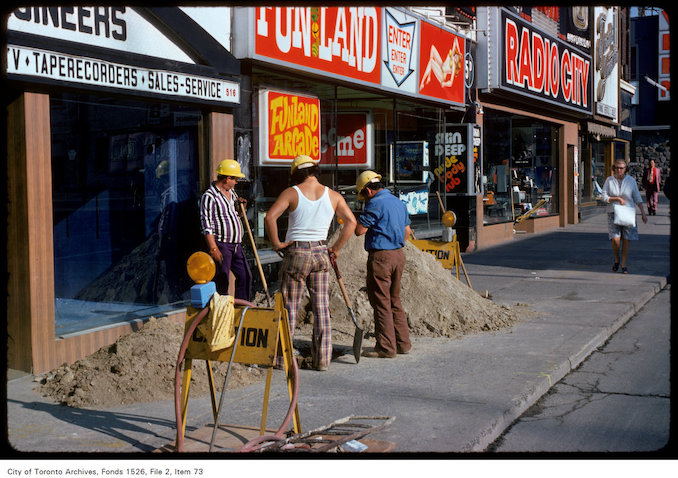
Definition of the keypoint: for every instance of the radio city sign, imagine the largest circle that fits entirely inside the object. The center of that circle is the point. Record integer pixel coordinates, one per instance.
(538, 65)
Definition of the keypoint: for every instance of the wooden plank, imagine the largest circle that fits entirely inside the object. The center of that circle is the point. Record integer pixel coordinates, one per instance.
(230, 438)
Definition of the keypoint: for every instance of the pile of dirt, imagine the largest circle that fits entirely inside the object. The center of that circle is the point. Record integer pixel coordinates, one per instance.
(437, 304)
(140, 366)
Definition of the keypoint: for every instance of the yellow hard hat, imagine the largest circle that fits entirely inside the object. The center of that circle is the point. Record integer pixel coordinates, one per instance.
(162, 169)
(299, 160)
(229, 167)
(363, 180)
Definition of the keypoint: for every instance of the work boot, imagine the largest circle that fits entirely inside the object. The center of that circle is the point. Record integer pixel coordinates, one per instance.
(377, 354)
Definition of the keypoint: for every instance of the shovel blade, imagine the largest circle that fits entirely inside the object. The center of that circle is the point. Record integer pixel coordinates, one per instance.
(357, 343)
(357, 337)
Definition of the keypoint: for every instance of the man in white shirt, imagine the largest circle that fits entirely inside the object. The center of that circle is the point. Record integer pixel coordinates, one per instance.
(306, 261)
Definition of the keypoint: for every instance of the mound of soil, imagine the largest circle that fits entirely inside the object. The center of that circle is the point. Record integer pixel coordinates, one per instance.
(437, 304)
(140, 366)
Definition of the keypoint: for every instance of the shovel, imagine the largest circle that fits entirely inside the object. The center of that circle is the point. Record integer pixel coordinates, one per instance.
(256, 255)
(358, 334)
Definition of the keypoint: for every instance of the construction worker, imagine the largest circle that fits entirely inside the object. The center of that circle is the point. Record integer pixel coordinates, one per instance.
(306, 261)
(223, 230)
(387, 226)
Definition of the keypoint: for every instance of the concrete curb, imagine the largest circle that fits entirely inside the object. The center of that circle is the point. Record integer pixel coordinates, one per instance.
(488, 436)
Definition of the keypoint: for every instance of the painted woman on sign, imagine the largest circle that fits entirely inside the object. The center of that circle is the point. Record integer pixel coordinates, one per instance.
(445, 71)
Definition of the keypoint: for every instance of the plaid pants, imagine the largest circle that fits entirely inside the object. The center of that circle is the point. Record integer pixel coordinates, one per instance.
(309, 265)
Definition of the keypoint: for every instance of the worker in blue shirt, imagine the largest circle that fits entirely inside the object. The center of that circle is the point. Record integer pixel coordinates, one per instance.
(387, 226)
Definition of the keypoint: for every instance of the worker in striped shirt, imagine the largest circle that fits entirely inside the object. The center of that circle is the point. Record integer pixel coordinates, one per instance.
(223, 230)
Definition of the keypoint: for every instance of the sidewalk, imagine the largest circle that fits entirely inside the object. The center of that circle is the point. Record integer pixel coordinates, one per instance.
(448, 395)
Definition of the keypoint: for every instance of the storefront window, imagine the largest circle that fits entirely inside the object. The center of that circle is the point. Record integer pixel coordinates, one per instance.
(520, 167)
(621, 150)
(125, 192)
(399, 141)
(414, 161)
(586, 187)
(598, 167)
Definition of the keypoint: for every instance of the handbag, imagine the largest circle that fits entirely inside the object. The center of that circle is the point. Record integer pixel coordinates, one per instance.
(624, 215)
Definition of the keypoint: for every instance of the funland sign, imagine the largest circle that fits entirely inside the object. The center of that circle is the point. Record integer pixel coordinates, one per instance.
(538, 65)
(290, 126)
(373, 46)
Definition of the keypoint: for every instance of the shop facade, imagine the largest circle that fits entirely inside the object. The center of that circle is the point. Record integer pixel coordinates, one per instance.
(117, 117)
(535, 86)
(652, 110)
(356, 88)
(607, 135)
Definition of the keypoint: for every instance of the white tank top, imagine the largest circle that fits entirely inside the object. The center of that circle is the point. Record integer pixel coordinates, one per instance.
(311, 220)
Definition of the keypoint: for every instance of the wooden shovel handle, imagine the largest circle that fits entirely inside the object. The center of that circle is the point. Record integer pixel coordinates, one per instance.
(254, 248)
(333, 260)
(440, 200)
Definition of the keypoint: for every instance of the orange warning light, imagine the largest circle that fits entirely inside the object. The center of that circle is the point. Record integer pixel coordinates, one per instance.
(201, 267)
(449, 219)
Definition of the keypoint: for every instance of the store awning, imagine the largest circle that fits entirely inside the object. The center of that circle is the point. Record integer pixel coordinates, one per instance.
(601, 130)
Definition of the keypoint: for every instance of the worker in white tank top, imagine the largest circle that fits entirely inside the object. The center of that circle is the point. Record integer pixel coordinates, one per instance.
(306, 260)
(310, 220)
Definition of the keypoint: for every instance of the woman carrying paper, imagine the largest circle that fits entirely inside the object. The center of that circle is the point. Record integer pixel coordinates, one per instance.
(621, 194)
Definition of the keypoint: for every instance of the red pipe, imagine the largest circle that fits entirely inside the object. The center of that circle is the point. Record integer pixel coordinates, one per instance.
(279, 435)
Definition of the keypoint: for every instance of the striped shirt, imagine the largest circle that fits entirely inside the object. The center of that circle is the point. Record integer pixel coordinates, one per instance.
(219, 217)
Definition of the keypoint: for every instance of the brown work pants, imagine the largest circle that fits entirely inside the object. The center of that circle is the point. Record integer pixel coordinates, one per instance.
(384, 272)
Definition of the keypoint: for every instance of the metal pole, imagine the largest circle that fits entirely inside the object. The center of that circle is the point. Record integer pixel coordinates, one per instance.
(228, 373)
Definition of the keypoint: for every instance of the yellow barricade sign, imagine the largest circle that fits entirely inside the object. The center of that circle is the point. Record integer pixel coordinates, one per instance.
(444, 252)
(258, 338)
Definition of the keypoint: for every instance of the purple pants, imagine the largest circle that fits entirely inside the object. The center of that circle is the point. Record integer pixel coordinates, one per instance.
(234, 261)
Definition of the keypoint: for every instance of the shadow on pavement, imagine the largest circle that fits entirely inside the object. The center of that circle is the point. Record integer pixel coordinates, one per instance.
(568, 249)
(118, 425)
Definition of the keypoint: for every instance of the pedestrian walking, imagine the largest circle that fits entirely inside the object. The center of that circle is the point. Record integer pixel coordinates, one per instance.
(223, 231)
(306, 261)
(652, 185)
(386, 226)
(621, 189)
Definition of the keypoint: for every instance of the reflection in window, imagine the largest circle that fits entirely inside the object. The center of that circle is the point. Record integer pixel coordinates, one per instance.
(124, 207)
(598, 167)
(520, 167)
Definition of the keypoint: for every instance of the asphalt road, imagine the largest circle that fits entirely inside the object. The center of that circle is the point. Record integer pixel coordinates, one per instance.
(618, 400)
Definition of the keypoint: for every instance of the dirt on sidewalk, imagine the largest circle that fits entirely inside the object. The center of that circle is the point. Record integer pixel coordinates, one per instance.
(140, 366)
